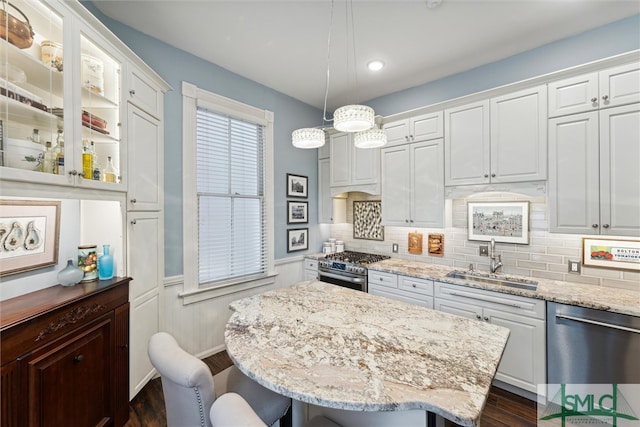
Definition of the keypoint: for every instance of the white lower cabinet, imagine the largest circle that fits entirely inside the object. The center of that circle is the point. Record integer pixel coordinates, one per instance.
(401, 288)
(310, 269)
(523, 363)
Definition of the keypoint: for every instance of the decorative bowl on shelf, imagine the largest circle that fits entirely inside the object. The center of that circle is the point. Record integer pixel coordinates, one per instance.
(23, 154)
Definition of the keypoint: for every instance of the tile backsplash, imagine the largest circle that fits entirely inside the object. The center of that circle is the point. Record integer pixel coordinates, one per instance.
(546, 256)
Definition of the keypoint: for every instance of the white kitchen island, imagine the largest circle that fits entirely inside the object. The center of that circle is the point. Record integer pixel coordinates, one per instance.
(355, 356)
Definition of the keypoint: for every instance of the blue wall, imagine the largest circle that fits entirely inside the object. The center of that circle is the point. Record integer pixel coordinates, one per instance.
(175, 66)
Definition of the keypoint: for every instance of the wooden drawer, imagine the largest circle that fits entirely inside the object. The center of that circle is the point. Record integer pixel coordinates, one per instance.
(413, 284)
(383, 279)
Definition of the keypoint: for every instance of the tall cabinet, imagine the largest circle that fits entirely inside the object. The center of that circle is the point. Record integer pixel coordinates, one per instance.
(79, 81)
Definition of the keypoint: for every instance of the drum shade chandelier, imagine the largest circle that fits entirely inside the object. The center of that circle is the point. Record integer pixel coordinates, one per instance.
(350, 118)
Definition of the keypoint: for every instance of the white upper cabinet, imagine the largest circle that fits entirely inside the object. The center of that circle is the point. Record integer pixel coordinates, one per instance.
(608, 88)
(467, 144)
(594, 179)
(500, 140)
(351, 168)
(414, 129)
(142, 93)
(413, 184)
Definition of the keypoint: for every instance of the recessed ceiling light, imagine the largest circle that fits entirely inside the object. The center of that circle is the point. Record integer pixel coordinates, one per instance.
(375, 65)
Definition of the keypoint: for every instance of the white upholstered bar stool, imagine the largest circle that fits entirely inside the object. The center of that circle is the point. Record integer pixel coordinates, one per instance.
(190, 390)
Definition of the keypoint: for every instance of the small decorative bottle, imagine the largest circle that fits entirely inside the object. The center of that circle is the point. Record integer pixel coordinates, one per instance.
(110, 173)
(105, 264)
(49, 156)
(70, 275)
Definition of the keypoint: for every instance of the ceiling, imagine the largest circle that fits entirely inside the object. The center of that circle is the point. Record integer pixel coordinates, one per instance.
(283, 44)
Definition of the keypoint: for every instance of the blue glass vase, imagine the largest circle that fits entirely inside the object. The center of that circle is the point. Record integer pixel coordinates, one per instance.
(70, 275)
(105, 264)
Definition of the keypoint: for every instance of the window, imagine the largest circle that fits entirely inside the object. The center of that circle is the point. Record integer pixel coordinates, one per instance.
(227, 150)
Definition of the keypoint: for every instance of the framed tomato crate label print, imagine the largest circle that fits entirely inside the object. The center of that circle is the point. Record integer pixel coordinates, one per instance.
(611, 253)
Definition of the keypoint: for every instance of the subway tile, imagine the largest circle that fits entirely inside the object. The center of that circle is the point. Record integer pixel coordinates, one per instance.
(576, 278)
(531, 249)
(603, 273)
(466, 251)
(532, 265)
(517, 271)
(623, 284)
(631, 276)
(564, 251)
(545, 241)
(515, 255)
(547, 275)
(559, 268)
(554, 259)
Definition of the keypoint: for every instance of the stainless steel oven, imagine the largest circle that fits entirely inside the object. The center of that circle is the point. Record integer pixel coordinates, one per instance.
(347, 269)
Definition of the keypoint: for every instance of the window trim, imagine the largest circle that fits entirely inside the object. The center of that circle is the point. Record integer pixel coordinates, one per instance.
(192, 98)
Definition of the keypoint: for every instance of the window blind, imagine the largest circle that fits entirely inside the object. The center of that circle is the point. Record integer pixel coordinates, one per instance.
(230, 190)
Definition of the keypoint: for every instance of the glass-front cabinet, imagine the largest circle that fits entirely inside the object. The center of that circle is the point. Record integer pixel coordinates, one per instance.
(60, 99)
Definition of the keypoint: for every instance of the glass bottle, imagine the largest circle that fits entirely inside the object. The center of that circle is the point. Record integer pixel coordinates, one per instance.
(35, 136)
(58, 163)
(87, 160)
(70, 275)
(110, 172)
(47, 164)
(105, 264)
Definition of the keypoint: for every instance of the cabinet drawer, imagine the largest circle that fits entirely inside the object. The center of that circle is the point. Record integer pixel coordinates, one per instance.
(144, 95)
(413, 284)
(400, 295)
(310, 264)
(489, 299)
(384, 279)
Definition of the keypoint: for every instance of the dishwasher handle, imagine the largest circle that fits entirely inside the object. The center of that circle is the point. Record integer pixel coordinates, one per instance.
(595, 322)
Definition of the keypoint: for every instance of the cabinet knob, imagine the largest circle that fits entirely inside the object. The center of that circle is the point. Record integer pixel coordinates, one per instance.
(406, 138)
(486, 175)
(124, 346)
(411, 136)
(410, 220)
(81, 174)
(594, 100)
(132, 92)
(414, 285)
(605, 98)
(133, 201)
(486, 318)
(133, 222)
(406, 220)
(478, 317)
(73, 172)
(493, 175)
(605, 225)
(594, 225)
(79, 358)
(381, 279)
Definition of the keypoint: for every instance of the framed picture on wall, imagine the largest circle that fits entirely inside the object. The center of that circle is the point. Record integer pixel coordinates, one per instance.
(29, 235)
(297, 212)
(611, 253)
(297, 239)
(506, 222)
(297, 186)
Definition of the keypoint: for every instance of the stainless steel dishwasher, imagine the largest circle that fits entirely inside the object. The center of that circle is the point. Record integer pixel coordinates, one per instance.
(587, 346)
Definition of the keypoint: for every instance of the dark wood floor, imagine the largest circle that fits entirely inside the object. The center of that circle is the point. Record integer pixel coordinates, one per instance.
(503, 409)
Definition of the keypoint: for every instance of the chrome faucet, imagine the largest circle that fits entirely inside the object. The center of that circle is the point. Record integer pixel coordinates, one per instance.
(495, 265)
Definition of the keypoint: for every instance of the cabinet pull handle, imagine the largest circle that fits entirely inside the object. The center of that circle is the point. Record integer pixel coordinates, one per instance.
(406, 220)
(594, 100)
(594, 225)
(124, 346)
(605, 225)
(605, 98)
(486, 175)
(510, 304)
(133, 222)
(478, 317)
(79, 358)
(493, 175)
(597, 323)
(414, 285)
(132, 92)
(486, 318)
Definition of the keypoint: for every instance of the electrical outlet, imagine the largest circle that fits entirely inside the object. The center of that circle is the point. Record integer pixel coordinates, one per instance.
(394, 248)
(574, 267)
(484, 250)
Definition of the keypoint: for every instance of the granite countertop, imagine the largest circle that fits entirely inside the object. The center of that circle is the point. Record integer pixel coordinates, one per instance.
(615, 300)
(339, 348)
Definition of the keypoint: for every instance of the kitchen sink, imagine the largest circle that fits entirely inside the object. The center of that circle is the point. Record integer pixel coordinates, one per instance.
(494, 280)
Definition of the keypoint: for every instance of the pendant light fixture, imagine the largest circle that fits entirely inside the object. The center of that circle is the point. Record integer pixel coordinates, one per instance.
(350, 118)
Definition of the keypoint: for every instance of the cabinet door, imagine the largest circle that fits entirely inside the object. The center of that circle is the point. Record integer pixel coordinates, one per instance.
(143, 94)
(523, 360)
(426, 126)
(619, 171)
(365, 165)
(310, 274)
(396, 186)
(340, 172)
(403, 296)
(145, 252)
(574, 177)
(427, 183)
(466, 136)
(573, 95)
(458, 308)
(145, 161)
(397, 132)
(325, 206)
(519, 136)
(620, 85)
(71, 382)
(121, 365)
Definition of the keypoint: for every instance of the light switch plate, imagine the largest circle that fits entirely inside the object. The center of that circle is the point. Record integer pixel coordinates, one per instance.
(574, 267)
(394, 248)
(484, 250)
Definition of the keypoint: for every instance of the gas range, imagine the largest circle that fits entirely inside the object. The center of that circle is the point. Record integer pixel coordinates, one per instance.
(347, 268)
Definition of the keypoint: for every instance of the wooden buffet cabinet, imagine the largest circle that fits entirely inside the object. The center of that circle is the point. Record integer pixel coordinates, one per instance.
(65, 356)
